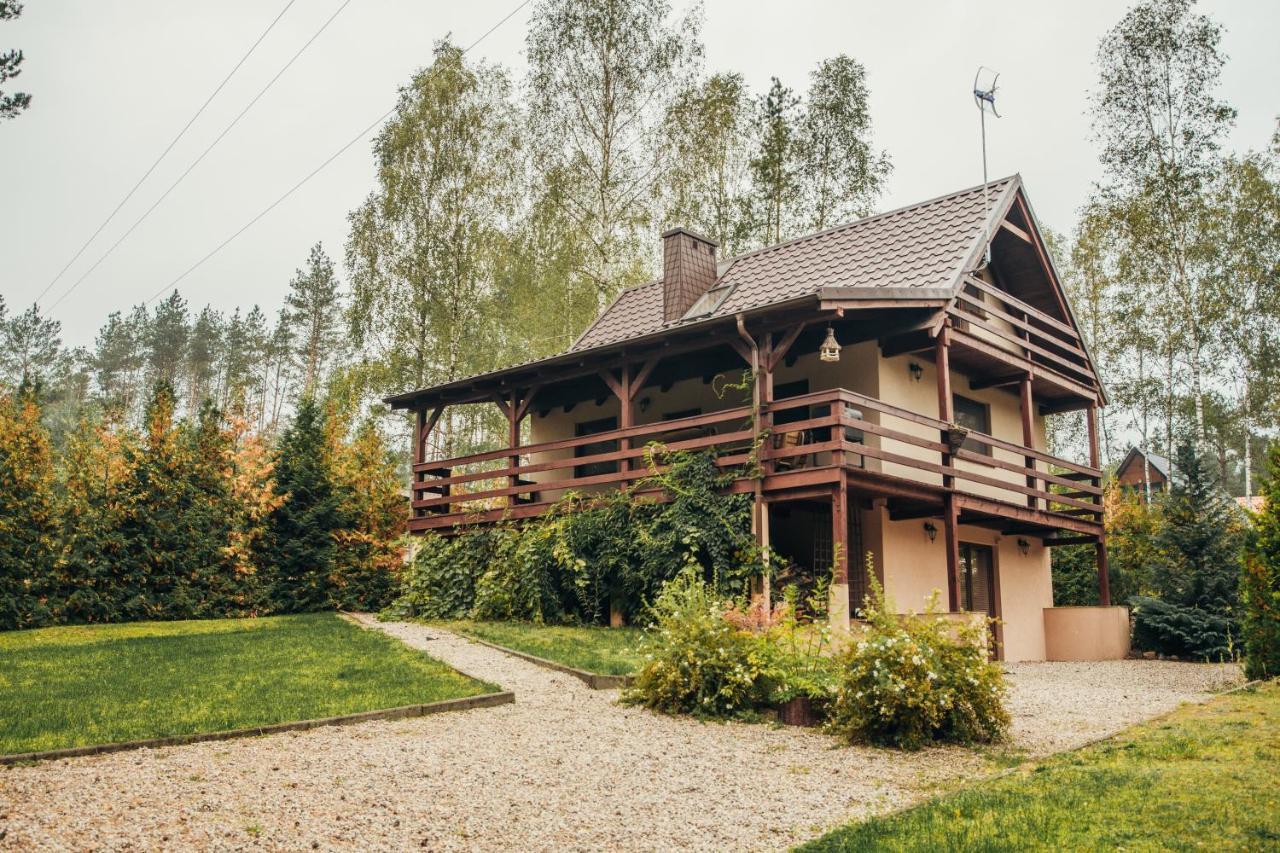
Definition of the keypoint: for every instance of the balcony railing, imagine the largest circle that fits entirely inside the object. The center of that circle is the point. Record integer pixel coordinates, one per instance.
(823, 431)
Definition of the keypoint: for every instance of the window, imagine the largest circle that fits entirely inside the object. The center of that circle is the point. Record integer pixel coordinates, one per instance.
(977, 581)
(683, 413)
(974, 416)
(592, 448)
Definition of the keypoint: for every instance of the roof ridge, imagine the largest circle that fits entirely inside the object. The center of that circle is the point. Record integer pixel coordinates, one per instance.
(844, 225)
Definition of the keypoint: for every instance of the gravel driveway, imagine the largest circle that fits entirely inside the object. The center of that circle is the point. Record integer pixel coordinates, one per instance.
(564, 768)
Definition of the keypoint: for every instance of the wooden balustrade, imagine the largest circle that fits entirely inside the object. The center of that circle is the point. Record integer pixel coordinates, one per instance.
(854, 429)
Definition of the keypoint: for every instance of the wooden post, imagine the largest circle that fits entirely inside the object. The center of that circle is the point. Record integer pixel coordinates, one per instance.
(1095, 460)
(950, 510)
(942, 359)
(951, 534)
(512, 410)
(1028, 433)
(838, 604)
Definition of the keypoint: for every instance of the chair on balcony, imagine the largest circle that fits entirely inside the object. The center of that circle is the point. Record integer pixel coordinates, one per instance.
(790, 441)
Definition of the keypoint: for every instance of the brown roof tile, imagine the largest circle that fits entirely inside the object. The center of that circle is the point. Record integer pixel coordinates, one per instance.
(923, 245)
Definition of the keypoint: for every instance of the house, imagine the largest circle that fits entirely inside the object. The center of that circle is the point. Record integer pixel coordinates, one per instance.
(902, 380)
(1144, 472)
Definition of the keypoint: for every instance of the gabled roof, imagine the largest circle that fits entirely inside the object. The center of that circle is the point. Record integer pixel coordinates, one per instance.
(919, 252)
(924, 245)
(1158, 463)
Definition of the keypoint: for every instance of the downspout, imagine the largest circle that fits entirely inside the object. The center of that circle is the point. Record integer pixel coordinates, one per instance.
(759, 515)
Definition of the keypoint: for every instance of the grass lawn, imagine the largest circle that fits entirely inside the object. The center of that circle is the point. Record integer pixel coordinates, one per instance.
(606, 651)
(82, 685)
(1202, 777)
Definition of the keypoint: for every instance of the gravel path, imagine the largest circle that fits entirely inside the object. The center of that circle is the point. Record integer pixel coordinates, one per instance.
(564, 768)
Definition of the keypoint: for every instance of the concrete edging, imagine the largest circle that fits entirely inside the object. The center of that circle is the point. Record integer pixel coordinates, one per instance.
(484, 700)
(594, 680)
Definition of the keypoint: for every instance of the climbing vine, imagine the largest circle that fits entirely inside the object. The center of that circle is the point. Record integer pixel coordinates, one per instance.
(591, 555)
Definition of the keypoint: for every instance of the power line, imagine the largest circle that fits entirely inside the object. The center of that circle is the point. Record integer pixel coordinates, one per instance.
(165, 152)
(203, 154)
(359, 136)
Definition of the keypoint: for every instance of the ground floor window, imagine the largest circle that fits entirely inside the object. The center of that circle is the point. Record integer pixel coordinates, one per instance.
(977, 578)
(593, 448)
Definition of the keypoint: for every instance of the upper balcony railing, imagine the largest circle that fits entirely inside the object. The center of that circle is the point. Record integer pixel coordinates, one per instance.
(823, 431)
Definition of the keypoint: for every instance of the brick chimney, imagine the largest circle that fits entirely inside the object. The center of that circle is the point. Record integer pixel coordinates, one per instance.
(688, 270)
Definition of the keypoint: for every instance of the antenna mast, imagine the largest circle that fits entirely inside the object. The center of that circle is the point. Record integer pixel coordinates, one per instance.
(984, 99)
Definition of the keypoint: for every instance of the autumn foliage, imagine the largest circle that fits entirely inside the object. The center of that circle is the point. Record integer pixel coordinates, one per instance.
(192, 518)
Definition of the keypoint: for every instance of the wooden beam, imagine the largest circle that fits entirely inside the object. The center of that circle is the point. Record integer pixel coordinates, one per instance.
(642, 376)
(1028, 432)
(840, 532)
(741, 349)
(523, 409)
(942, 361)
(1016, 231)
(1104, 578)
(997, 381)
(779, 351)
(502, 404)
(950, 523)
(610, 380)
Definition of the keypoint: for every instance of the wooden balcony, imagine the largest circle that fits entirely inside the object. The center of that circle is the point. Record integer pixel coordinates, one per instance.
(815, 442)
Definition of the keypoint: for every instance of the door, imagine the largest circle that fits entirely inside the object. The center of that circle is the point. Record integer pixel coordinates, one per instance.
(977, 579)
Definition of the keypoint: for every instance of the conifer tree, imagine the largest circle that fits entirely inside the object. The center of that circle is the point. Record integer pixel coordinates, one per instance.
(1260, 582)
(299, 550)
(1197, 569)
(369, 555)
(95, 573)
(28, 513)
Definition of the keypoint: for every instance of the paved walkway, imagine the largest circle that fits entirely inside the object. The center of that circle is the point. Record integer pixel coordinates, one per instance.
(564, 768)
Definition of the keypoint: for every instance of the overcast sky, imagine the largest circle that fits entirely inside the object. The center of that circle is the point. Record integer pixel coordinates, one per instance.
(114, 81)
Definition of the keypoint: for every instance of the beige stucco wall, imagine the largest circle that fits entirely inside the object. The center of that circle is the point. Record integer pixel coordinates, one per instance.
(913, 568)
(1086, 633)
(898, 388)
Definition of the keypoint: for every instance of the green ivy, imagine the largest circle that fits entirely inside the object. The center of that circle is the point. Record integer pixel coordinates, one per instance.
(592, 554)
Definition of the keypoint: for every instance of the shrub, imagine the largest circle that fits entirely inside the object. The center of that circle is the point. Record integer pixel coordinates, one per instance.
(1260, 582)
(695, 660)
(520, 581)
(1176, 629)
(908, 682)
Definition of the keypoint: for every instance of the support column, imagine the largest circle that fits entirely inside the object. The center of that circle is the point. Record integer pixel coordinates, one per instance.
(838, 597)
(626, 417)
(1028, 433)
(950, 510)
(1095, 460)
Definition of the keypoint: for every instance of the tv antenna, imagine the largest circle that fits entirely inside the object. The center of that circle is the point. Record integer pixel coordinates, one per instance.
(984, 98)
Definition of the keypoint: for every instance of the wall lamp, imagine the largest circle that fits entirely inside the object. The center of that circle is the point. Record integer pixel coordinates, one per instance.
(917, 372)
(930, 530)
(1024, 547)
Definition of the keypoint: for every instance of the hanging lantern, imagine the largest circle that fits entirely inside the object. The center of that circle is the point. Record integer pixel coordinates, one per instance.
(830, 347)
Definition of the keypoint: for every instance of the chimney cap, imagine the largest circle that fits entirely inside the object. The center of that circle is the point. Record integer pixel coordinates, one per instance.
(680, 229)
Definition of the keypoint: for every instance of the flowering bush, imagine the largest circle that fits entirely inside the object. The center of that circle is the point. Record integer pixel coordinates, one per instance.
(908, 682)
(695, 660)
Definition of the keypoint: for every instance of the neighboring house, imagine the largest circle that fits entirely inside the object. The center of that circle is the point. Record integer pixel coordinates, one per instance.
(1143, 471)
(903, 381)
(1254, 504)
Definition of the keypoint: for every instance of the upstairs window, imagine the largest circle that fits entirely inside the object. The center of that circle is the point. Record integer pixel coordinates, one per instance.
(976, 417)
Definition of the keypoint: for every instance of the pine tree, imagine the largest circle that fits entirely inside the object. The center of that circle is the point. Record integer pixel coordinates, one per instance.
(773, 167)
(28, 513)
(313, 310)
(1197, 570)
(10, 62)
(1260, 582)
(167, 341)
(299, 550)
(96, 573)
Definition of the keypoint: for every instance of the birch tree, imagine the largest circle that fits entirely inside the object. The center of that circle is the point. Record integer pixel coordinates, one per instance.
(601, 76)
(424, 247)
(1160, 124)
